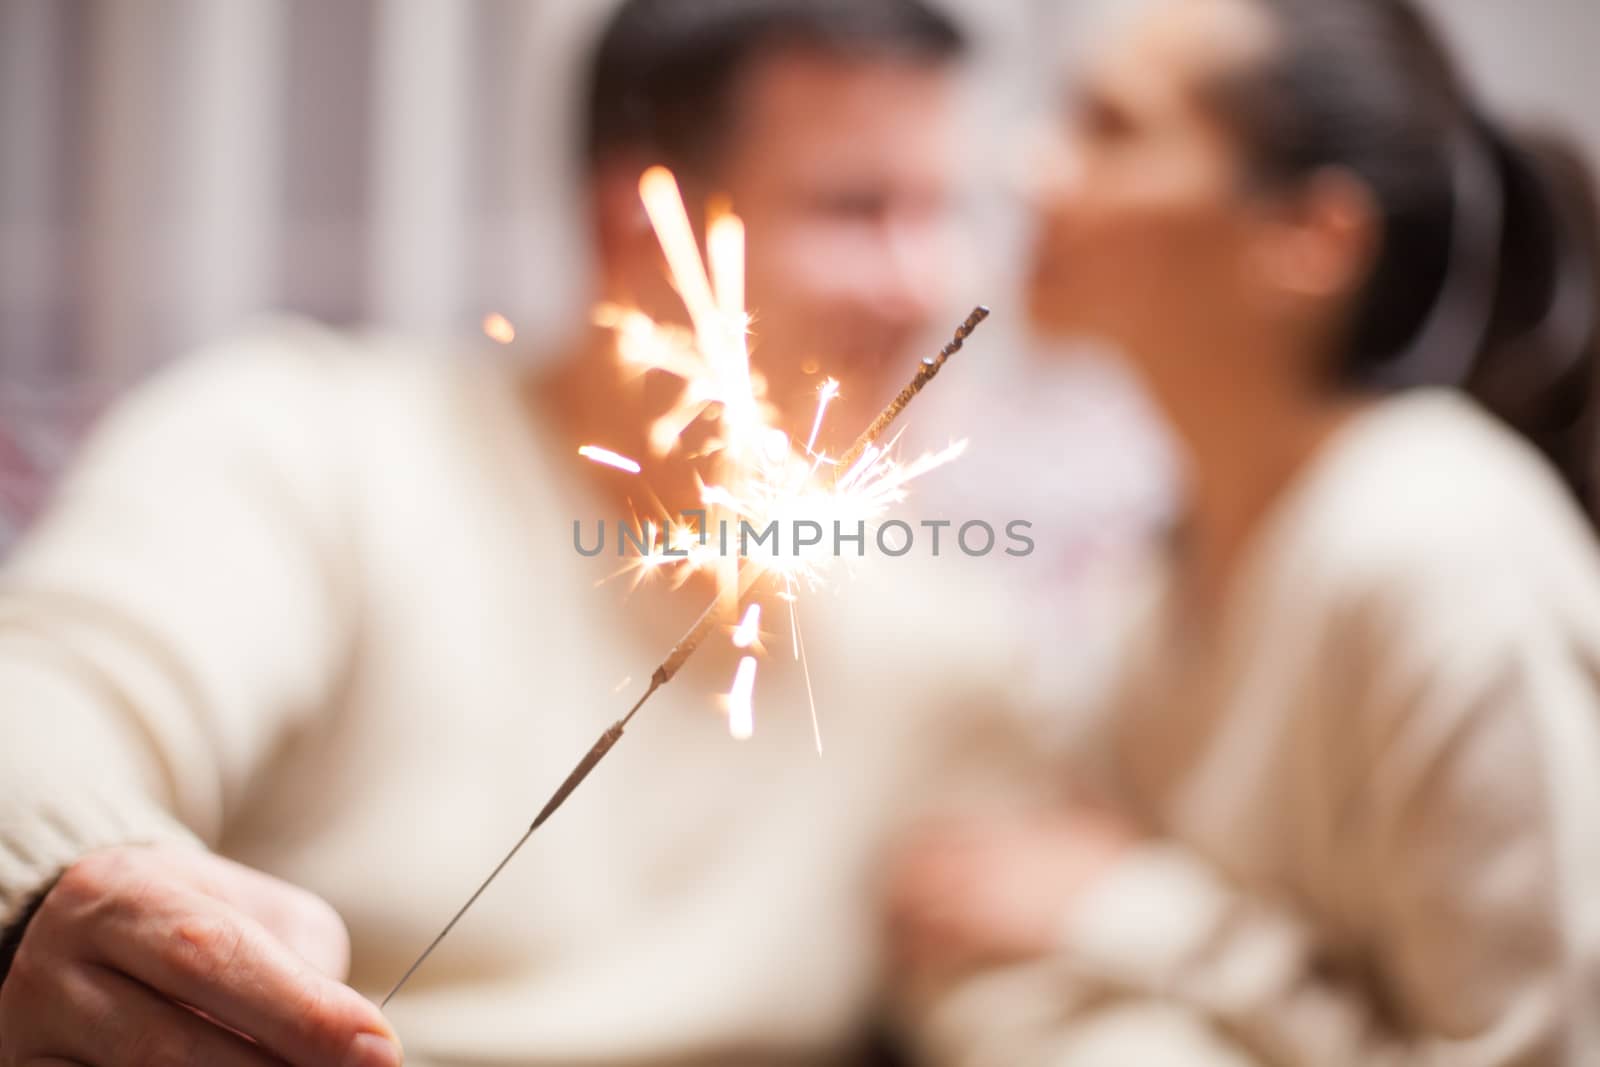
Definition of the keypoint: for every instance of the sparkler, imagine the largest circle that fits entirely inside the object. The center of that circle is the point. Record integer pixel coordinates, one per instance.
(925, 374)
(760, 475)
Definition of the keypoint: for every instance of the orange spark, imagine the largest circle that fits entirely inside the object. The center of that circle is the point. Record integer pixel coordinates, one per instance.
(725, 246)
(609, 458)
(741, 708)
(664, 205)
(499, 328)
(830, 389)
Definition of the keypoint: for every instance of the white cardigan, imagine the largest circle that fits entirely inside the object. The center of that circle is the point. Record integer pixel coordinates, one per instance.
(1374, 778)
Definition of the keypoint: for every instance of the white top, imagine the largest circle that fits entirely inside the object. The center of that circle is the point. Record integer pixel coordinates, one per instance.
(1377, 771)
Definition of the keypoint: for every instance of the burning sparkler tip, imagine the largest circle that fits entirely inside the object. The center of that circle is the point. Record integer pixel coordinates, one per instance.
(971, 322)
(925, 374)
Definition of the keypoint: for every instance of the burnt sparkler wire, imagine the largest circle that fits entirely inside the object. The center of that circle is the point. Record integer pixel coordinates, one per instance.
(687, 646)
(663, 674)
(929, 367)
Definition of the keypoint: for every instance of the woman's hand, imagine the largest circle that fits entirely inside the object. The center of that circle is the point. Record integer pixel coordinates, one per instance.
(973, 892)
(147, 955)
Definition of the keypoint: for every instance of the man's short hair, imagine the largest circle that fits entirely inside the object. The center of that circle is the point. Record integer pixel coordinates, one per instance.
(664, 73)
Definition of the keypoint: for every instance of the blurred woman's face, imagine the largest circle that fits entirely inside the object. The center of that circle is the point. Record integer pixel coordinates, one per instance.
(1144, 226)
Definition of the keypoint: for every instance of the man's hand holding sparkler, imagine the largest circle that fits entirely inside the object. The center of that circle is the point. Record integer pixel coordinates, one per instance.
(169, 955)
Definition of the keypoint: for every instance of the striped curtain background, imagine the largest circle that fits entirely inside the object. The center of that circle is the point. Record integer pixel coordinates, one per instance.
(169, 168)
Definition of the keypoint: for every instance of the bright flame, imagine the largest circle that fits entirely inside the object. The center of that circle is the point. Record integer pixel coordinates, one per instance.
(741, 700)
(609, 458)
(751, 470)
(499, 328)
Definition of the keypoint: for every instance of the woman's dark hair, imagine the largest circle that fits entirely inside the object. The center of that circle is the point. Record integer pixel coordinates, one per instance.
(1488, 273)
(664, 73)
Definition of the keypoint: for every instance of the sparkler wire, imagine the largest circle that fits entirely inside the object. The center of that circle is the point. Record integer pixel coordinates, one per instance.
(925, 374)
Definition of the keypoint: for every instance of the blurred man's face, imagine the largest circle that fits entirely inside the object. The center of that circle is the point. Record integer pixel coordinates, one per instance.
(842, 171)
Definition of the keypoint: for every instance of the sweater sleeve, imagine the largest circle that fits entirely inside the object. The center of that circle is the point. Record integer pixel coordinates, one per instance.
(1481, 881)
(180, 610)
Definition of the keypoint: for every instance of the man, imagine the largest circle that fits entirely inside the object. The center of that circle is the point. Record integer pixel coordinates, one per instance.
(320, 614)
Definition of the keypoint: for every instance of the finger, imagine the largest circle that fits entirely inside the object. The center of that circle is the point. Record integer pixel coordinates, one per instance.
(124, 1022)
(300, 919)
(195, 950)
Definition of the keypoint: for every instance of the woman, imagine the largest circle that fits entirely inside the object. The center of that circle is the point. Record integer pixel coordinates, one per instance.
(1350, 784)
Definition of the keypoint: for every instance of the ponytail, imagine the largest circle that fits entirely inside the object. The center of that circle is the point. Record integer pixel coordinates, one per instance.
(1536, 364)
(1487, 278)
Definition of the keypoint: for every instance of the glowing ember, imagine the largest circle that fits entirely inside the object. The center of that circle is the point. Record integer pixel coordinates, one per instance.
(609, 458)
(498, 328)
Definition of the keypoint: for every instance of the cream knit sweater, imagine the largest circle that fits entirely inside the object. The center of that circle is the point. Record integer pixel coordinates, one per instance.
(1374, 781)
(320, 610)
